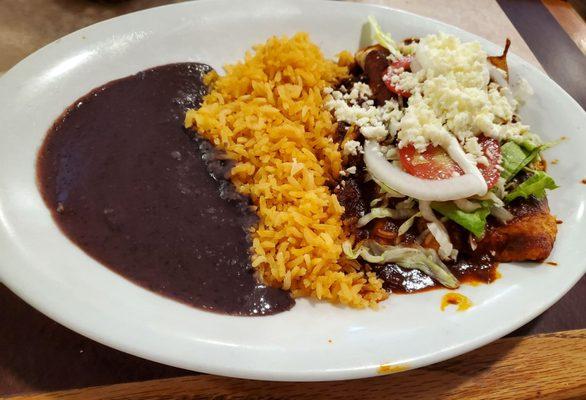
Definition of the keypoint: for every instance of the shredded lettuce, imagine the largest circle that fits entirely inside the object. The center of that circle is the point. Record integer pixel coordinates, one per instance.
(474, 221)
(406, 204)
(382, 38)
(425, 260)
(535, 185)
(349, 251)
(376, 201)
(440, 233)
(405, 226)
(384, 212)
(389, 191)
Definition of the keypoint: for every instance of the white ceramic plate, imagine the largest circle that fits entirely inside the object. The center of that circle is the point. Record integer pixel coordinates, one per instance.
(313, 341)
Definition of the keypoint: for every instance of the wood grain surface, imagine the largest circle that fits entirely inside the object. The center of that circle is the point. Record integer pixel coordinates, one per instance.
(570, 20)
(548, 367)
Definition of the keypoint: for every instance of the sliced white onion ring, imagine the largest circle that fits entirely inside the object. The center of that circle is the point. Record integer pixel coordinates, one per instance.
(470, 184)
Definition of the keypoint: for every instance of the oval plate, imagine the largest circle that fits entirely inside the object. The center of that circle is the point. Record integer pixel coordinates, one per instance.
(314, 341)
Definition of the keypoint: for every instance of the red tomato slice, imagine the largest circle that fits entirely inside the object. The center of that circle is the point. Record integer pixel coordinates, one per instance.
(404, 63)
(434, 163)
(492, 152)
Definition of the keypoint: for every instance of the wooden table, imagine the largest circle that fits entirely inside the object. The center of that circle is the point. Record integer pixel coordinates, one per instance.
(545, 359)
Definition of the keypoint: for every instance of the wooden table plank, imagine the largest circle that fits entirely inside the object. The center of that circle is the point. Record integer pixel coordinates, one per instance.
(549, 366)
(570, 20)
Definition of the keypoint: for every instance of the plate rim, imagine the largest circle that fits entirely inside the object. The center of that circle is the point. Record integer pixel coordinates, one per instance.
(239, 372)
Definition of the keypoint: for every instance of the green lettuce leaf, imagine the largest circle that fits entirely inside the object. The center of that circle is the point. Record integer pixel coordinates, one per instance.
(529, 144)
(535, 186)
(405, 226)
(384, 212)
(474, 221)
(382, 38)
(515, 158)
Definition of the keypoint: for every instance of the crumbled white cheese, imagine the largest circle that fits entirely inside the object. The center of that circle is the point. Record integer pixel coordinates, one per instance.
(351, 170)
(408, 81)
(446, 55)
(420, 126)
(473, 148)
(451, 95)
(355, 107)
(352, 147)
(359, 91)
(466, 111)
(377, 132)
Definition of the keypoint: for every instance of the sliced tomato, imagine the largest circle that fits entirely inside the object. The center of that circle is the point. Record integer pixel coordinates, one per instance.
(404, 63)
(492, 151)
(434, 163)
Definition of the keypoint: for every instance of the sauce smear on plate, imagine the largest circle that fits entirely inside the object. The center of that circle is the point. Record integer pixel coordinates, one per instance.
(130, 187)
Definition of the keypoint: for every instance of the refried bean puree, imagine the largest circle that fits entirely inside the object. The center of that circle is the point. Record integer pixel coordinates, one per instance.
(128, 185)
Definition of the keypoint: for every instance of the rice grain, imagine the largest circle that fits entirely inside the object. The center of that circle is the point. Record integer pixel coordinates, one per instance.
(266, 113)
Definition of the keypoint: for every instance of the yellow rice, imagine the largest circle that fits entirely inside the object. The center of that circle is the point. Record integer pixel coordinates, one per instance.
(267, 114)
